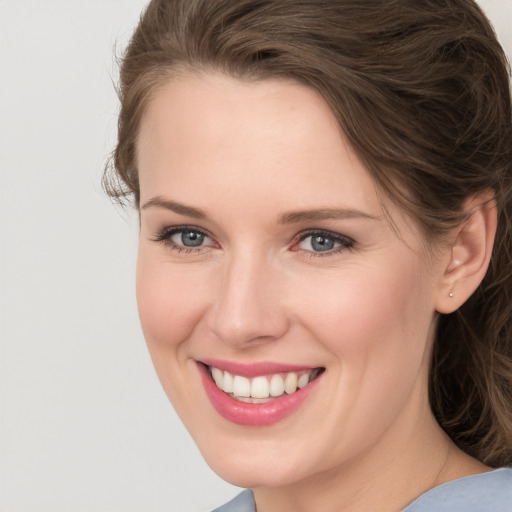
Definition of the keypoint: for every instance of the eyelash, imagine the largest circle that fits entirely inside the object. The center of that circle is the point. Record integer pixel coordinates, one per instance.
(165, 237)
(345, 243)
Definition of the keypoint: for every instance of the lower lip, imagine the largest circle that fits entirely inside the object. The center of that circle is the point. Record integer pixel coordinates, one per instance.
(255, 415)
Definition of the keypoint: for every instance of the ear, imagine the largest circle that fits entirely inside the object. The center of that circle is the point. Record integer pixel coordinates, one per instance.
(468, 257)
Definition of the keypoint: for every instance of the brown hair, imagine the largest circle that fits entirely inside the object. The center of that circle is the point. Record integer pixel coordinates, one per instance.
(421, 89)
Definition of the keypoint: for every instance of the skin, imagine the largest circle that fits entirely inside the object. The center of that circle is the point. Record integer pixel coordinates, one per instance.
(246, 155)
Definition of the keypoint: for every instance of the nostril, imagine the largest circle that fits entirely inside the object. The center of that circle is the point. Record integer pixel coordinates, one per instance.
(248, 308)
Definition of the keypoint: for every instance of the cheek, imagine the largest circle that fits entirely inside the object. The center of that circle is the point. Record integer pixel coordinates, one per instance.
(365, 307)
(171, 304)
(170, 301)
(377, 323)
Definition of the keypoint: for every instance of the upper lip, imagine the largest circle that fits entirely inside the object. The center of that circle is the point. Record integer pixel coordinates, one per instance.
(255, 369)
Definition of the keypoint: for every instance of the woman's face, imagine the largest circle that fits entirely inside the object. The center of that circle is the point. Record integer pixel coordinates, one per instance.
(265, 259)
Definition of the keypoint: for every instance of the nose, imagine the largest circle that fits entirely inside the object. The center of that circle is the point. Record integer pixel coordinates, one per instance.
(249, 305)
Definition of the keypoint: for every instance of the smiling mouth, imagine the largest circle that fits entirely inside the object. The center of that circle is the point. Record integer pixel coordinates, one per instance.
(265, 388)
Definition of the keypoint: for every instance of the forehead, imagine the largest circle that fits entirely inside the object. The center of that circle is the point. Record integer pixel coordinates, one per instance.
(221, 142)
(212, 108)
(244, 127)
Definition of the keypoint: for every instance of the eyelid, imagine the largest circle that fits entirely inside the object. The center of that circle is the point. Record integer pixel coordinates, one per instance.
(165, 234)
(346, 243)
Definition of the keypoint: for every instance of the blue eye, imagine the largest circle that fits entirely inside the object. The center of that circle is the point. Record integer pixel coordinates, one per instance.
(184, 238)
(321, 243)
(188, 238)
(324, 242)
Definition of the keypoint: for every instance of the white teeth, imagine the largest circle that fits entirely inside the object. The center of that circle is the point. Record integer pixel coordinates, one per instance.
(303, 380)
(290, 383)
(277, 385)
(227, 383)
(241, 386)
(260, 387)
(218, 376)
(252, 400)
(263, 387)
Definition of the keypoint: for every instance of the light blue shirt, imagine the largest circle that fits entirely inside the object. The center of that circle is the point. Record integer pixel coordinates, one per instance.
(487, 492)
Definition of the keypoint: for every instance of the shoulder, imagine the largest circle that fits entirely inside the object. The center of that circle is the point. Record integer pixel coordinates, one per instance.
(244, 502)
(486, 492)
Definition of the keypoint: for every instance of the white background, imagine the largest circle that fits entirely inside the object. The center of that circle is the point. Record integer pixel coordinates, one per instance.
(84, 424)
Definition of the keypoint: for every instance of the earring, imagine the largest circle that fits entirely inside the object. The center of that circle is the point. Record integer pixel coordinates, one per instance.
(450, 294)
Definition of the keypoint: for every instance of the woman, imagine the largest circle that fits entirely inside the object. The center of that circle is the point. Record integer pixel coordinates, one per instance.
(324, 268)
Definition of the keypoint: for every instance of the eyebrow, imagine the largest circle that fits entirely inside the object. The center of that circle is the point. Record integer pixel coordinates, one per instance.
(176, 207)
(323, 214)
(291, 217)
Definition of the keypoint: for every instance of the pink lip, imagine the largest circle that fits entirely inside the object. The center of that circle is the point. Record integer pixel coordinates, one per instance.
(254, 369)
(256, 415)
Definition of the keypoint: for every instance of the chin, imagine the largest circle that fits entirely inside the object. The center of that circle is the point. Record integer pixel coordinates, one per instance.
(261, 460)
(250, 474)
